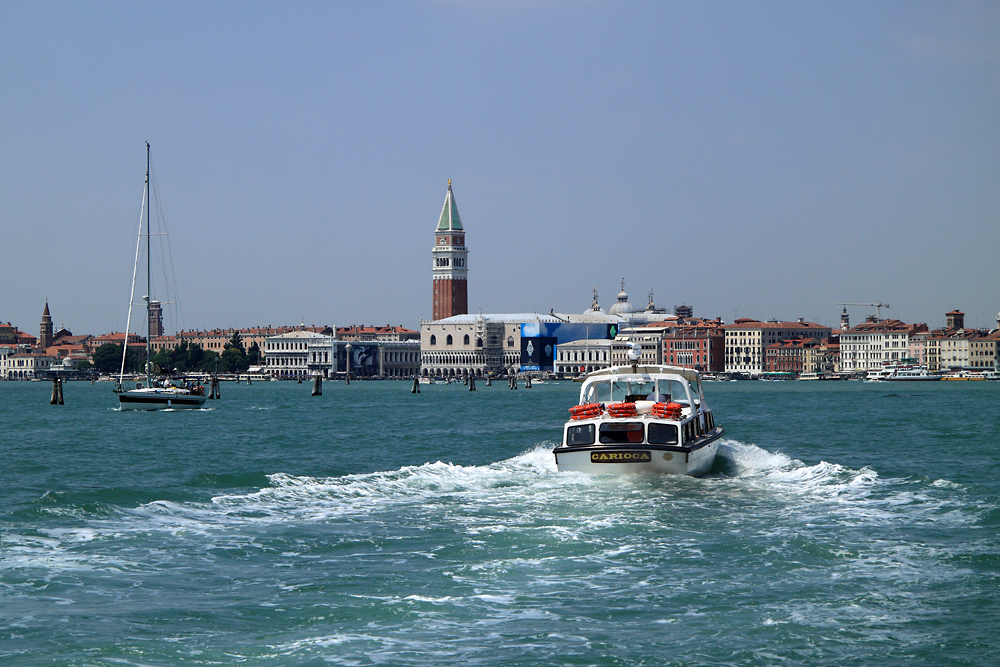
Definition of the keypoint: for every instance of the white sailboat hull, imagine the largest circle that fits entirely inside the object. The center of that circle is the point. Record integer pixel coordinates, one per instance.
(160, 399)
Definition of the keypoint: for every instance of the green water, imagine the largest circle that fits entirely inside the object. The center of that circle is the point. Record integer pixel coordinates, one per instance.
(844, 524)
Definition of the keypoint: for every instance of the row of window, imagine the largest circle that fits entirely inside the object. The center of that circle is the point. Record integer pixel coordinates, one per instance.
(465, 340)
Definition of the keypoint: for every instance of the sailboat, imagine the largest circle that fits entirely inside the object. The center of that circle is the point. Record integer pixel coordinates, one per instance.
(151, 395)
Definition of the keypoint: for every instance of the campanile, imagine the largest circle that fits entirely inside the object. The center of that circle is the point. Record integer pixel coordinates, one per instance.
(450, 270)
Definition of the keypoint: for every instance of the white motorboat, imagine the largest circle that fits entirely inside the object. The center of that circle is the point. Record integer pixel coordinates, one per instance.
(910, 374)
(640, 419)
(147, 396)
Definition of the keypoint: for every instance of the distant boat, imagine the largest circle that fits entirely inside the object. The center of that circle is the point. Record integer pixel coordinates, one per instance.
(910, 374)
(146, 396)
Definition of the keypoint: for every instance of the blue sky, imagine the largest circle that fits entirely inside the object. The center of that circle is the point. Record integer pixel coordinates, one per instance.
(750, 159)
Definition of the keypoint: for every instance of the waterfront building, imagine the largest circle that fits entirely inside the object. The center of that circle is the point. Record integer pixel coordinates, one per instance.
(874, 344)
(747, 341)
(161, 343)
(650, 352)
(481, 345)
(822, 359)
(474, 345)
(117, 338)
(6, 350)
(983, 351)
(691, 342)
(583, 356)
(297, 354)
(788, 356)
(450, 271)
(302, 354)
(8, 334)
(26, 365)
(215, 340)
(373, 333)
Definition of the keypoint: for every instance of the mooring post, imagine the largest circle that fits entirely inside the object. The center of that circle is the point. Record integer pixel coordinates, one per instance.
(317, 385)
(55, 392)
(59, 380)
(415, 389)
(472, 383)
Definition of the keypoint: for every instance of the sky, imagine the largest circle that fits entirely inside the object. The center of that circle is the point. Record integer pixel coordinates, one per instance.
(763, 160)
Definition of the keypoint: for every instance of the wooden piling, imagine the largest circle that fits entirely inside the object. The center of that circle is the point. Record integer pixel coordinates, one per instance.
(317, 386)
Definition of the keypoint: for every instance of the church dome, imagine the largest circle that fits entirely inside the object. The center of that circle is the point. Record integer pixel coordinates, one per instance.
(622, 307)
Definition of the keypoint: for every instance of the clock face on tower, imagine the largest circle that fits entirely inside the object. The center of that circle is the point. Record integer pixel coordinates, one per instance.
(441, 241)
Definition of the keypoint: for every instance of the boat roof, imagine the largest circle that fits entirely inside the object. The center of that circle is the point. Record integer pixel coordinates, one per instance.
(688, 374)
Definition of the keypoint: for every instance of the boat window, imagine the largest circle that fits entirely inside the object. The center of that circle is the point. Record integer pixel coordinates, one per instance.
(580, 435)
(598, 392)
(671, 391)
(621, 433)
(632, 390)
(662, 434)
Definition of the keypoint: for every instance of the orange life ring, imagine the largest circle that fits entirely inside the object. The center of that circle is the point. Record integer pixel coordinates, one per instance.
(667, 410)
(622, 410)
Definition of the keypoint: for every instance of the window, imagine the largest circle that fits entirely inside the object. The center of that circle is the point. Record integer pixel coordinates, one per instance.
(448, 340)
(434, 339)
(510, 341)
(662, 434)
(580, 435)
(618, 433)
(465, 341)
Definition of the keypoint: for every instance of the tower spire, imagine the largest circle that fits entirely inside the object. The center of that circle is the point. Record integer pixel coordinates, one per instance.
(450, 271)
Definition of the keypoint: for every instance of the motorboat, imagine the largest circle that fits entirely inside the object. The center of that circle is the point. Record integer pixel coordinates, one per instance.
(910, 374)
(633, 419)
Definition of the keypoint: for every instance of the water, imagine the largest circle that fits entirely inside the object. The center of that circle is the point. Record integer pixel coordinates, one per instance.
(843, 524)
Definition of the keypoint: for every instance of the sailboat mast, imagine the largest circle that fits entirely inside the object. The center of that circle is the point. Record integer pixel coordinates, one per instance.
(149, 195)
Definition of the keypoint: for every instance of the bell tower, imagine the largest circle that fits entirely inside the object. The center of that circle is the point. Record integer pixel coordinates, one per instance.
(450, 270)
(45, 333)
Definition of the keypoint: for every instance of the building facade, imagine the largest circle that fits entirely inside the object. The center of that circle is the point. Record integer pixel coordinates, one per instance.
(583, 356)
(473, 345)
(450, 268)
(874, 344)
(747, 341)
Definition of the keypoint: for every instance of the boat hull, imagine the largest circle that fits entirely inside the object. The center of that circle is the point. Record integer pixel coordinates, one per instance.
(694, 459)
(157, 400)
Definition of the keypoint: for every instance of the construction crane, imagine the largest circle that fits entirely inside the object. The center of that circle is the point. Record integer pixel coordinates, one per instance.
(877, 306)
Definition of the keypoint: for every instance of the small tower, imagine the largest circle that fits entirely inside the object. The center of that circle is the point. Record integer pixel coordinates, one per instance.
(450, 271)
(155, 319)
(954, 319)
(845, 320)
(45, 334)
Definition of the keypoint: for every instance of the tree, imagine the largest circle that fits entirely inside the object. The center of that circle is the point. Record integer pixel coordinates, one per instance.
(108, 359)
(254, 355)
(233, 360)
(237, 342)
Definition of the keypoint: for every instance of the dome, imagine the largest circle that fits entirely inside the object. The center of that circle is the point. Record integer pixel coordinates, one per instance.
(594, 307)
(623, 307)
